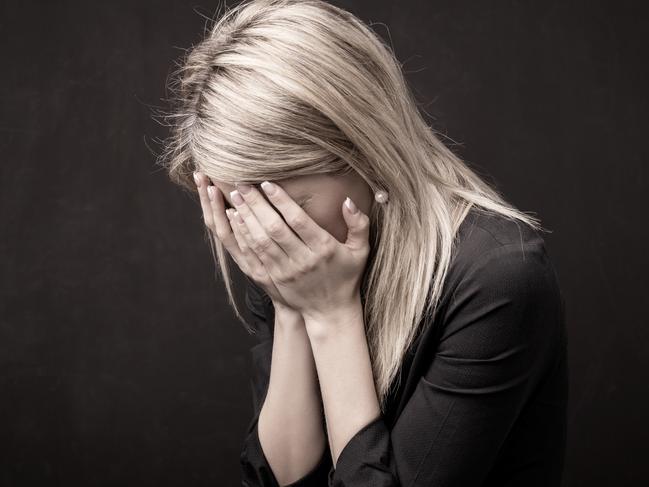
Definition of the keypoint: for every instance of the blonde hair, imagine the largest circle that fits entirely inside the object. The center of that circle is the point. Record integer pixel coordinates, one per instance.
(284, 88)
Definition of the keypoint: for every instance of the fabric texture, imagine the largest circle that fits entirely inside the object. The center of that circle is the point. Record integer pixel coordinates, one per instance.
(483, 392)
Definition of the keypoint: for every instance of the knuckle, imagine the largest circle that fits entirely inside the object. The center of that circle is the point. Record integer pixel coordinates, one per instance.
(275, 228)
(297, 221)
(258, 277)
(283, 278)
(263, 280)
(252, 198)
(329, 248)
(327, 240)
(301, 269)
(307, 268)
(242, 230)
(221, 234)
(326, 244)
(262, 244)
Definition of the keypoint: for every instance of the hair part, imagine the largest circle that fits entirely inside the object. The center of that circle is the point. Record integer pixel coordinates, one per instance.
(284, 88)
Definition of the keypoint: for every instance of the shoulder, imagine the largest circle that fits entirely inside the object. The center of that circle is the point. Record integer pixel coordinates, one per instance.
(501, 320)
(497, 244)
(483, 232)
(498, 260)
(502, 317)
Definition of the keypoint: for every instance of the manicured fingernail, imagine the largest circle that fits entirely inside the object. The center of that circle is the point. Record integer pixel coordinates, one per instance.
(237, 199)
(210, 192)
(197, 179)
(350, 204)
(237, 216)
(269, 188)
(244, 188)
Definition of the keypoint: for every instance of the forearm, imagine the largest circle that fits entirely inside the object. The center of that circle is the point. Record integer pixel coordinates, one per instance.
(290, 421)
(344, 370)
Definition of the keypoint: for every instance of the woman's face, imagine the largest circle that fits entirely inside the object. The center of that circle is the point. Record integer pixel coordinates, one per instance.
(321, 196)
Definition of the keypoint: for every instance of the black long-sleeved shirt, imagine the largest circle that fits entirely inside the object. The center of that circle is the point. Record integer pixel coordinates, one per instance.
(482, 400)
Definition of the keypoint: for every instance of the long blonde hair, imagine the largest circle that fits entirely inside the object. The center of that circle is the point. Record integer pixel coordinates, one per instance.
(284, 88)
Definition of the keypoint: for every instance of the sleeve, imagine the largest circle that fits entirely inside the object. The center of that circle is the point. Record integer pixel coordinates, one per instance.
(494, 343)
(254, 467)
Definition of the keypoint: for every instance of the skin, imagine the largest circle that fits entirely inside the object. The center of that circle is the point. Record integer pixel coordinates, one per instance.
(321, 195)
(321, 352)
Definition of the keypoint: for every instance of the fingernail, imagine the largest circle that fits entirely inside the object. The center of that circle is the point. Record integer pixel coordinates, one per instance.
(243, 188)
(197, 179)
(269, 188)
(350, 204)
(237, 217)
(210, 192)
(237, 199)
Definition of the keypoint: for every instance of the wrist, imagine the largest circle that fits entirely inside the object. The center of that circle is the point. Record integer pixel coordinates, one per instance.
(341, 321)
(286, 317)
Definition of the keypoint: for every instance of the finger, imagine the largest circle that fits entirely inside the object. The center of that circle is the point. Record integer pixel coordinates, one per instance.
(220, 224)
(201, 186)
(235, 230)
(241, 231)
(219, 228)
(358, 226)
(272, 223)
(267, 249)
(243, 237)
(257, 271)
(237, 256)
(223, 228)
(299, 221)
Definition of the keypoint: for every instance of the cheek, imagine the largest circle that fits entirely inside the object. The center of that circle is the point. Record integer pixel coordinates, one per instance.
(331, 220)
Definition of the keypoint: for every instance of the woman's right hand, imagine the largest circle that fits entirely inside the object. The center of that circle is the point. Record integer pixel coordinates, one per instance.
(226, 230)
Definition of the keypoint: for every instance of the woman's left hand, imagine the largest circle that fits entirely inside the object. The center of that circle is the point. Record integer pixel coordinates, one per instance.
(315, 273)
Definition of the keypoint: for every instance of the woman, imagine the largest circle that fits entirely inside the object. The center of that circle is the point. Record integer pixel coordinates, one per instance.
(410, 321)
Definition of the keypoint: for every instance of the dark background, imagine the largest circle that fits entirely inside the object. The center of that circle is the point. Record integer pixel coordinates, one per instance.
(121, 362)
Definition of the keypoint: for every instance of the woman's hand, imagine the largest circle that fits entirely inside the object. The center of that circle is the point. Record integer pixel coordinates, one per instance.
(313, 272)
(217, 220)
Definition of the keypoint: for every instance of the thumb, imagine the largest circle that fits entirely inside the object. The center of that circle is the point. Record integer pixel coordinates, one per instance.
(358, 225)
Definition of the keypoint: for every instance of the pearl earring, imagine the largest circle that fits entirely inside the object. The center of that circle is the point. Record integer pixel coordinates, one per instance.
(381, 196)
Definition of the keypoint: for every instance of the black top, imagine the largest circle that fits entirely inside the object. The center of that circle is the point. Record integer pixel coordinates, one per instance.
(483, 390)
